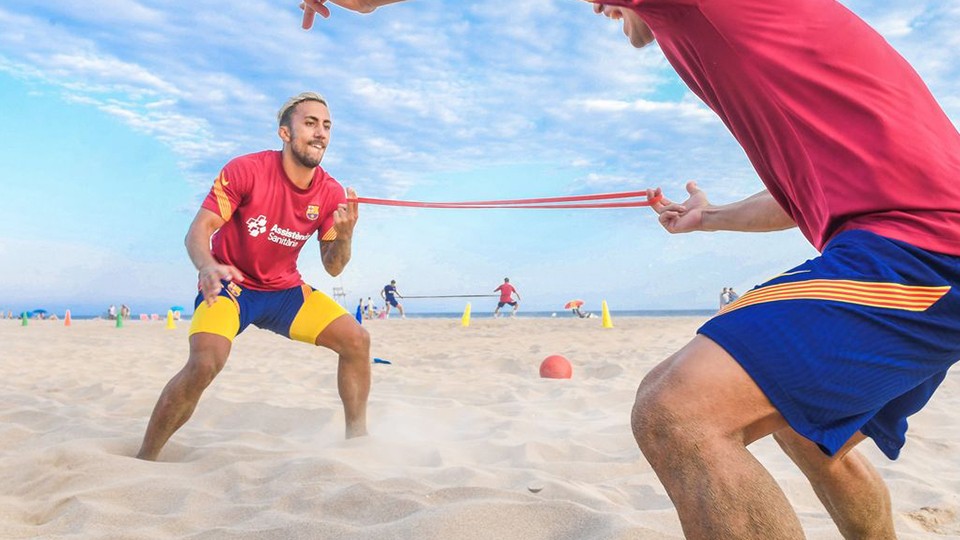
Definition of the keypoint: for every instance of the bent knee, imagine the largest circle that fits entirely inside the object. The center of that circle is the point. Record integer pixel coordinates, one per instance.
(667, 418)
(202, 368)
(653, 420)
(356, 342)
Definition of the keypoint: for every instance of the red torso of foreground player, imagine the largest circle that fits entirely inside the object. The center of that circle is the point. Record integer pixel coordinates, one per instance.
(842, 131)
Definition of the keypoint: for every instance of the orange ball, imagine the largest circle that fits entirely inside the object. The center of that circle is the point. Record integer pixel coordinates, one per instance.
(556, 367)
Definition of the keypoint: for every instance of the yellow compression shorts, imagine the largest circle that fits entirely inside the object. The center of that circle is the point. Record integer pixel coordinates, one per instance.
(299, 313)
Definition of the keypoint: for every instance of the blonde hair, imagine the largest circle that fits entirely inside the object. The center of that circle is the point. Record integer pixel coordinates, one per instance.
(283, 117)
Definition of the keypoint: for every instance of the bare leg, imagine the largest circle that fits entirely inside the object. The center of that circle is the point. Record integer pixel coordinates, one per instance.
(352, 342)
(694, 415)
(847, 484)
(208, 354)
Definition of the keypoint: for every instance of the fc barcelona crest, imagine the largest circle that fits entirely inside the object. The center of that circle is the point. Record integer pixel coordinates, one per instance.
(313, 211)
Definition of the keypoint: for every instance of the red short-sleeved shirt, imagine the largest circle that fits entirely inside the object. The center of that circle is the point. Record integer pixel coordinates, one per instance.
(268, 219)
(506, 292)
(839, 127)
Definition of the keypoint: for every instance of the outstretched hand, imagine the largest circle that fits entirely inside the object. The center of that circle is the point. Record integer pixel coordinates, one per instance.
(312, 7)
(345, 216)
(683, 217)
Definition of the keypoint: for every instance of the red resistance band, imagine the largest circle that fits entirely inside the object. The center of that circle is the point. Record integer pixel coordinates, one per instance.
(627, 200)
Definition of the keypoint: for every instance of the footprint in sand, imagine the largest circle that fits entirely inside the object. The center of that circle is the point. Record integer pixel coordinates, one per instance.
(936, 520)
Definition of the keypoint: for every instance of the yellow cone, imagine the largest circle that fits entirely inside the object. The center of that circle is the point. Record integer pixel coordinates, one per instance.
(170, 324)
(607, 321)
(465, 321)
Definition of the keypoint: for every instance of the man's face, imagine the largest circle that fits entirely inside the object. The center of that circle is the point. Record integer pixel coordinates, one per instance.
(634, 28)
(309, 132)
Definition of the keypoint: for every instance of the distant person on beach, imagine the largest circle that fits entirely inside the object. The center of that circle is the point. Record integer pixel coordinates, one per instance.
(390, 295)
(853, 150)
(244, 242)
(733, 294)
(112, 312)
(507, 292)
(576, 311)
(724, 297)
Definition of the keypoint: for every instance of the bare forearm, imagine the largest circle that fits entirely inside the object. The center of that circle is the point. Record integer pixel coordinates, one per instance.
(336, 255)
(757, 213)
(198, 247)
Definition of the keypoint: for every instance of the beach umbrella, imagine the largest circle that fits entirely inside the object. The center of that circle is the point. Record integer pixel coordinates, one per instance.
(573, 304)
(177, 308)
(38, 312)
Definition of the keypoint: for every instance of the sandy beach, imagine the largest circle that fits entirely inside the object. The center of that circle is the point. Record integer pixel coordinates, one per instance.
(467, 441)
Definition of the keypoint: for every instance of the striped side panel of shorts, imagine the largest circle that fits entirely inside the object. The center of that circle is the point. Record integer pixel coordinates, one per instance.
(864, 293)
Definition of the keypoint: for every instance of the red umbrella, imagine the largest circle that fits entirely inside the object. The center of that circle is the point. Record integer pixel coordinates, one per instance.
(573, 304)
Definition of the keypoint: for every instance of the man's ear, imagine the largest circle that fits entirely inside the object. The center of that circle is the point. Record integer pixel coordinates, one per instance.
(284, 133)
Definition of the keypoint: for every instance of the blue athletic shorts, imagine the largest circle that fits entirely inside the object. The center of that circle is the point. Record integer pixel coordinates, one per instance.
(299, 313)
(857, 339)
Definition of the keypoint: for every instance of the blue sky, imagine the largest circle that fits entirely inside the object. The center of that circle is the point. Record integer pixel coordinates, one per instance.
(117, 115)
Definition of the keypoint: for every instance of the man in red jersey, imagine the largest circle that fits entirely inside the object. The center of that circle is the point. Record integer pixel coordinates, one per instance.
(507, 291)
(244, 241)
(854, 151)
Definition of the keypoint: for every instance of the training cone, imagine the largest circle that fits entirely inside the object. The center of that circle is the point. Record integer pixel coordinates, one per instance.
(607, 321)
(119, 321)
(66, 318)
(170, 324)
(23, 319)
(465, 321)
(556, 367)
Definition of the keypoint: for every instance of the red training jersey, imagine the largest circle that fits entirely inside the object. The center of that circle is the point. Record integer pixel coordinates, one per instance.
(840, 128)
(269, 219)
(506, 292)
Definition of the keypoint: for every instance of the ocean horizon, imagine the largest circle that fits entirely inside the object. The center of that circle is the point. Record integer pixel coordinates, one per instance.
(487, 315)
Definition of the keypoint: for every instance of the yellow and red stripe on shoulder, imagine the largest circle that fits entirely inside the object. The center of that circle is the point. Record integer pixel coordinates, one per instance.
(223, 202)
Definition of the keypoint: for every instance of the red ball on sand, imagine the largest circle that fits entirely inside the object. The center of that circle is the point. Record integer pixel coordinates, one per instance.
(556, 367)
